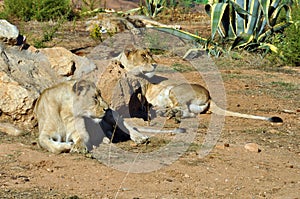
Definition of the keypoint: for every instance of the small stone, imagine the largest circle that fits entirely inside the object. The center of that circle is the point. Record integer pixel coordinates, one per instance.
(186, 176)
(169, 180)
(253, 147)
(133, 144)
(220, 146)
(49, 170)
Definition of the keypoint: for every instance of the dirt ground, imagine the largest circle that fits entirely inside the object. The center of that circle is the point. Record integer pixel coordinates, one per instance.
(228, 171)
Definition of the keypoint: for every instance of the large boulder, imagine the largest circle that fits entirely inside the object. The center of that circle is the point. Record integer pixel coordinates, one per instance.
(25, 73)
(67, 64)
(121, 90)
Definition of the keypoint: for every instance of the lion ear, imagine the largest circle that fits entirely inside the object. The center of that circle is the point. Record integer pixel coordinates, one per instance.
(81, 87)
(128, 49)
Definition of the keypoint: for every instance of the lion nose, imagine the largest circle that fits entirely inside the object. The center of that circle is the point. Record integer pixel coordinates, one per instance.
(154, 65)
(105, 107)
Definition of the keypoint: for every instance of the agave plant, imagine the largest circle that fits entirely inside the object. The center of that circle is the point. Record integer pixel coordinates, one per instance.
(248, 22)
(151, 8)
(243, 23)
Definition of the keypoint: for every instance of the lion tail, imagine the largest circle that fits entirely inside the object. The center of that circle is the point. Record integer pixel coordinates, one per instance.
(153, 130)
(219, 111)
(10, 129)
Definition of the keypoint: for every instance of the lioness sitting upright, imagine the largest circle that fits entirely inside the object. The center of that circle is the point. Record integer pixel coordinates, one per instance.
(61, 112)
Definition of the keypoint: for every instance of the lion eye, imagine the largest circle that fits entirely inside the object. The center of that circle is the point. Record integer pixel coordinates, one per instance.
(144, 56)
(95, 99)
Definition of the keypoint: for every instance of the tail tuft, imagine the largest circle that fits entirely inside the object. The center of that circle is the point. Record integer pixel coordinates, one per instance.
(179, 130)
(275, 119)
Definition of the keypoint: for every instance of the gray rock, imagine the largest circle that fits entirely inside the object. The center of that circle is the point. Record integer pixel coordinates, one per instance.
(8, 32)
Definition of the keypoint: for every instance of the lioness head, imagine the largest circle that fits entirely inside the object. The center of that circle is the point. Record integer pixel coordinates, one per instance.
(138, 61)
(87, 100)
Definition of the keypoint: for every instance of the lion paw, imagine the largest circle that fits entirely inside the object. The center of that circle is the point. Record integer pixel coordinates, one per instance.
(140, 139)
(106, 140)
(79, 148)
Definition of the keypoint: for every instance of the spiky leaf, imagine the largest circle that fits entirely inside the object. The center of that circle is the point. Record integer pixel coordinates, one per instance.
(217, 12)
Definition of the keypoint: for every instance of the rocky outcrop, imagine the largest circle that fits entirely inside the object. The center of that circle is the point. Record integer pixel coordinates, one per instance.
(26, 72)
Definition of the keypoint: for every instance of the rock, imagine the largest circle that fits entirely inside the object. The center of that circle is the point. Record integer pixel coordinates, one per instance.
(67, 64)
(253, 147)
(226, 145)
(121, 90)
(23, 76)
(25, 73)
(220, 146)
(8, 32)
(61, 60)
(274, 131)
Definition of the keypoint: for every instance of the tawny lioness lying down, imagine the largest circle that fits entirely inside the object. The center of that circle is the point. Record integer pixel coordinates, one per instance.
(183, 100)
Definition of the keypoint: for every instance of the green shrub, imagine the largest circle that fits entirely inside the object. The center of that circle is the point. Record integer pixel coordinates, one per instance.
(96, 33)
(48, 33)
(41, 10)
(190, 3)
(289, 43)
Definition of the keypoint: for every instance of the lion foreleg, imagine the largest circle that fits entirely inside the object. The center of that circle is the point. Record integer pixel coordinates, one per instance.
(135, 136)
(54, 144)
(77, 133)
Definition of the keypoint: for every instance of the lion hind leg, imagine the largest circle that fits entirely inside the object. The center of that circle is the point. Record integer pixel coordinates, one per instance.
(198, 108)
(183, 111)
(54, 144)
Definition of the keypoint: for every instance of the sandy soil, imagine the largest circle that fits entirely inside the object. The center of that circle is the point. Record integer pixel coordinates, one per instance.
(228, 171)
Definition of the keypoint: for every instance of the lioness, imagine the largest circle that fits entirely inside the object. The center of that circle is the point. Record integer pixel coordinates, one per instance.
(62, 111)
(123, 75)
(183, 100)
(138, 62)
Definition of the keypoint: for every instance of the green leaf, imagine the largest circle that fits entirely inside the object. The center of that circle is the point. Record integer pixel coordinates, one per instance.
(265, 4)
(239, 8)
(148, 7)
(182, 34)
(254, 10)
(217, 12)
(242, 40)
(277, 11)
(276, 28)
(241, 17)
(269, 46)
